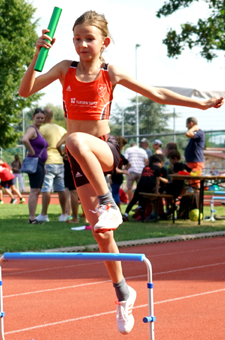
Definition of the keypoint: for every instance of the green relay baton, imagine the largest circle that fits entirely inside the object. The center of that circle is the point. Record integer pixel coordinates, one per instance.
(51, 27)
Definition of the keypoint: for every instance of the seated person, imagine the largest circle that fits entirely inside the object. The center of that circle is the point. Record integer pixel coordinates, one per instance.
(175, 187)
(149, 182)
(169, 147)
(116, 178)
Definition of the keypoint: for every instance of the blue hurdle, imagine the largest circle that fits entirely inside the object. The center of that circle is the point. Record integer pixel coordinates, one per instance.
(215, 198)
(85, 256)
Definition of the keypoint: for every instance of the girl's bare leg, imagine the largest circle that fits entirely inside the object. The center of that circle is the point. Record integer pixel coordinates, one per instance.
(94, 157)
(105, 241)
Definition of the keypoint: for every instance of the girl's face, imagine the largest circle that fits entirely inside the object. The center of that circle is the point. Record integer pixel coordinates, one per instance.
(38, 119)
(88, 42)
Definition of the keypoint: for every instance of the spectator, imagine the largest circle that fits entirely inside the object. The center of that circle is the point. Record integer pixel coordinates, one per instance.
(138, 159)
(176, 186)
(194, 150)
(149, 182)
(169, 147)
(1, 196)
(157, 144)
(116, 178)
(16, 166)
(8, 182)
(54, 168)
(72, 203)
(144, 145)
(37, 147)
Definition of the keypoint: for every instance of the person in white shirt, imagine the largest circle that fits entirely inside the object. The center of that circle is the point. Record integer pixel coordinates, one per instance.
(138, 158)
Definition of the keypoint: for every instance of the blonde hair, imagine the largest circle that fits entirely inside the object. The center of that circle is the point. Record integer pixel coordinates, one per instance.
(92, 18)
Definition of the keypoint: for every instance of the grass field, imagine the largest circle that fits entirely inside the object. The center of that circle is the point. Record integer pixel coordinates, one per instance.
(17, 235)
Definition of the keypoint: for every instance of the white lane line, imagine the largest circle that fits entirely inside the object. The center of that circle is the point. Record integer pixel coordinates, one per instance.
(51, 268)
(58, 288)
(112, 312)
(105, 281)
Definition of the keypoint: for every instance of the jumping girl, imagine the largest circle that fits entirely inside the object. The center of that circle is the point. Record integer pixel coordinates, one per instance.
(87, 95)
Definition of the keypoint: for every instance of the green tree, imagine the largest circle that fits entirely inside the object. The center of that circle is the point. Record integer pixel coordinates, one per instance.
(17, 42)
(153, 118)
(208, 34)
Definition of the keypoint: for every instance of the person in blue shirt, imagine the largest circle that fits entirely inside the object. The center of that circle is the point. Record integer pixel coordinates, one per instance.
(194, 150)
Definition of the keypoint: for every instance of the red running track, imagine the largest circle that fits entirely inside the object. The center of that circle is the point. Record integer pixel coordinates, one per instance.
(65, 300)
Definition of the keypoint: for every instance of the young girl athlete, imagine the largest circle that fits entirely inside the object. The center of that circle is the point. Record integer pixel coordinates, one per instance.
(87, 95)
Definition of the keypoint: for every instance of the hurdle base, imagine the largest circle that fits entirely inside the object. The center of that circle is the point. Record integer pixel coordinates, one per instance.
(148, 319)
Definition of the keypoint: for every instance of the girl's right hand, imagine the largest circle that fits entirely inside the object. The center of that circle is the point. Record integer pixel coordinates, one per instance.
(41, 42)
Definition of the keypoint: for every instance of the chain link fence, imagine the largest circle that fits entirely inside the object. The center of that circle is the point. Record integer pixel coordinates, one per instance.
(214, 140)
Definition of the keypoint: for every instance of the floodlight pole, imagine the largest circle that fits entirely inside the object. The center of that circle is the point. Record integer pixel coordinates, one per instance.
(137, 111)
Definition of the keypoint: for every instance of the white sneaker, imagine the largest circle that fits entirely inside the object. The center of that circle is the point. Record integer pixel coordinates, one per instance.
(124, 316)
(42, 218)
(63, 218)
(109, 218)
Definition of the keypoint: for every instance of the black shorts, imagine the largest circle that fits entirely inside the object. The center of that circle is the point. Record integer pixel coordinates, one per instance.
(37, 179)
(68, 176)
(7, 184)
(78, 175)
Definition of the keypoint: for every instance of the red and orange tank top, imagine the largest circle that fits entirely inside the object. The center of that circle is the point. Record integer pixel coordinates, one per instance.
(87, 101)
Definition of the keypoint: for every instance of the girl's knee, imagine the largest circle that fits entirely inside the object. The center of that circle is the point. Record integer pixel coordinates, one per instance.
(74, 140)
(75, 143)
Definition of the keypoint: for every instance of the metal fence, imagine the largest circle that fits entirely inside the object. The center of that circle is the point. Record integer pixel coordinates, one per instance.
(214, 139)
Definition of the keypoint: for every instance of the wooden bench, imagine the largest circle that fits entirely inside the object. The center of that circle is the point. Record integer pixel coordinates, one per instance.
(156, 197)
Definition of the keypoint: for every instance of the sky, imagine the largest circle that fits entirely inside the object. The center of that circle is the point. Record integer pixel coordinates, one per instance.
(130, 23)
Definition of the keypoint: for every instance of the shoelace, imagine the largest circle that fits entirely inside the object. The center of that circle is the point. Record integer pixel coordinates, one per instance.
(120, 310)
(101, 208)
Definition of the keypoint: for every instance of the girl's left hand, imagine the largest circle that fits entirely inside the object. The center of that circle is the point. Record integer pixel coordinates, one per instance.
(214, 102)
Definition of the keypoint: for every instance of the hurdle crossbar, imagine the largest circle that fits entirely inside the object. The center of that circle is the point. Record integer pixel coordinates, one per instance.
(84, 256)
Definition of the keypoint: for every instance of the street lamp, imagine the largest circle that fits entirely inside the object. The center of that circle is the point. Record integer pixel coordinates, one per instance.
(24, 149)
(137, 112)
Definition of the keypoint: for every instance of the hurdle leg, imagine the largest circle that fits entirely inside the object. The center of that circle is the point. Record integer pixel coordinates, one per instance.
(89, 256)
(2, 314)
(151, 318)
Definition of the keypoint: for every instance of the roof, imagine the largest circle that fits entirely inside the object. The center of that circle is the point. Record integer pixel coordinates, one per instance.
(215, 154)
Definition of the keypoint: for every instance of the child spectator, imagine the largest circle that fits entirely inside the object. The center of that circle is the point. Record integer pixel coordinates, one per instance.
(175, 187)
(8, 181)
(163, 180)
(149, 183)
(169, 147)
(16, 166)
(116, 179)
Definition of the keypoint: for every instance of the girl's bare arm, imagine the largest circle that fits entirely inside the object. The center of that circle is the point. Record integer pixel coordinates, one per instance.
(31, 84)
(159, 95)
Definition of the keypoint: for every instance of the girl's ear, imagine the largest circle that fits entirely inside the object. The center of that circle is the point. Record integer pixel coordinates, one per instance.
(106, 42)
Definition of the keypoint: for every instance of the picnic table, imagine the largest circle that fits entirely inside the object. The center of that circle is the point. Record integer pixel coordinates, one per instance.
(217, 179)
